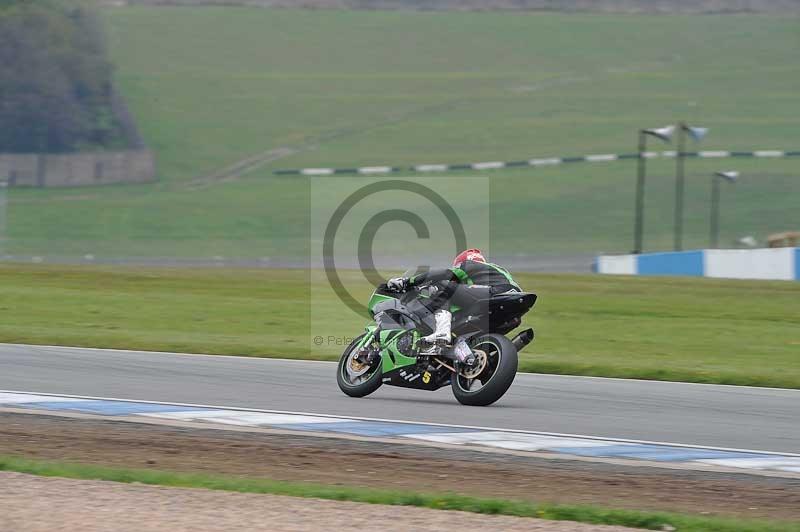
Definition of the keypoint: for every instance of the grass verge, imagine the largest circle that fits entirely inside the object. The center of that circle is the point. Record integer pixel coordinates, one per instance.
(689, 329)
(583, 514)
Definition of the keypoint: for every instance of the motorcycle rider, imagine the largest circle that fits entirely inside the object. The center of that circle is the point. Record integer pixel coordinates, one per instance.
(469, 268)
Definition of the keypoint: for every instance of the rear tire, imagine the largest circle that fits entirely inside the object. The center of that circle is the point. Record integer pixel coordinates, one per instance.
(499, 373)
(365, 385)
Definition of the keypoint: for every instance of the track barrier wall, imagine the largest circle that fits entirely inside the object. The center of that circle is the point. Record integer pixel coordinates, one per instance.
(768, 263)
(77, 169)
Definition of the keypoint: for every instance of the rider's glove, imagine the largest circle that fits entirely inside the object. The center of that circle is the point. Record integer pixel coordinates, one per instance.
(397, 284)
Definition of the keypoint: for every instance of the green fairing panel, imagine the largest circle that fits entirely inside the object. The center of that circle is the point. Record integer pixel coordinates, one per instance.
(389, 350)
(375, 299)
(392, 358)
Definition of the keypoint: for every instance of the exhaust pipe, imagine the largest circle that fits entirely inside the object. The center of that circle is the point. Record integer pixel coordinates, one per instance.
(523, 339)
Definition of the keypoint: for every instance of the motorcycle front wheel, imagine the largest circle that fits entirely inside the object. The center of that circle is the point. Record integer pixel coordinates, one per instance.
(355, 378)
(491, 377)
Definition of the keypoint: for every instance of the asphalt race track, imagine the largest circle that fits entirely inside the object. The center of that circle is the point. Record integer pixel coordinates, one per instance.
(721, 416)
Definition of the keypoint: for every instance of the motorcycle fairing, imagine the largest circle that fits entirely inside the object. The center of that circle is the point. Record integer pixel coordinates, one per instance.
(417, 377)
(399, 369)
(391, 356)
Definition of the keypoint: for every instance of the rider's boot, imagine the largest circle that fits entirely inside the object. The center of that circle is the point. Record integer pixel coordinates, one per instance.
(442, 332)
(432, 344)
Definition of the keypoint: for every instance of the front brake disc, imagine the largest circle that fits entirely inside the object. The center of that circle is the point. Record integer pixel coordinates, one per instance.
(355, 368)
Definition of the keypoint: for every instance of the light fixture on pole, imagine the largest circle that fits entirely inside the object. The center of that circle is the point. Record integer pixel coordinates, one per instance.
(730, 177)
(697, 134)
(664, 133)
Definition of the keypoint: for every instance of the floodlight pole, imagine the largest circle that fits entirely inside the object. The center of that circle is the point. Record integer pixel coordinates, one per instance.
(638, 230)
(665, 134)
(3, 209)
(679, 187)
(714, 224)
(697, 134)
(714, 220)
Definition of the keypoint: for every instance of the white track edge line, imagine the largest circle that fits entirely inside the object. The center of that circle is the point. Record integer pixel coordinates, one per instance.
(488, 429)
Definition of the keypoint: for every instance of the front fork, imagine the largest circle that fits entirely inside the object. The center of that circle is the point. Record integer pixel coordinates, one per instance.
(366, 353)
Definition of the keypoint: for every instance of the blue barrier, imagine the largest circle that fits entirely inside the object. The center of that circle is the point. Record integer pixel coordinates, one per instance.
(797, 264)
(767, 263)
(680, 263)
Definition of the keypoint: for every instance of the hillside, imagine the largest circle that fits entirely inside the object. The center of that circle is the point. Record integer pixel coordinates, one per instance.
(267, 89)
(55, 80)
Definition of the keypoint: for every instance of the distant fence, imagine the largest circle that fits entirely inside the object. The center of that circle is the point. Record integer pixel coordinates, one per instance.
(768, 263)
(77, 169)
(538, 162)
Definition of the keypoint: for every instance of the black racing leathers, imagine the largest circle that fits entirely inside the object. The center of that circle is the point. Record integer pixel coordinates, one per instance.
(470, 272)
(460, 287)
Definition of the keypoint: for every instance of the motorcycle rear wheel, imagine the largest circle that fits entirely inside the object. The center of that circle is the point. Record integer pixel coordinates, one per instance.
(494, 379)
(352, 377)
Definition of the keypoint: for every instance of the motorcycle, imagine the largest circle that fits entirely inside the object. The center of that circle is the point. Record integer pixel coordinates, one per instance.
(390, 350)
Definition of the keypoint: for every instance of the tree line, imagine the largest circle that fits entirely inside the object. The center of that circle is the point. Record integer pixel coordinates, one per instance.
(55, 78)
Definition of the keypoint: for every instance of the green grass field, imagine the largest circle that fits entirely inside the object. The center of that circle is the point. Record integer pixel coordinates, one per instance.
(701, 330)
(212, 86)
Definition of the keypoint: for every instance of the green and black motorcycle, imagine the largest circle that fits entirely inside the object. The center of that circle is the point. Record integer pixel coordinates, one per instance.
(390, 351)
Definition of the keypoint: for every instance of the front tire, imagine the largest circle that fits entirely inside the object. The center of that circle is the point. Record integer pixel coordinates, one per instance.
(352, 381)
(494, 378)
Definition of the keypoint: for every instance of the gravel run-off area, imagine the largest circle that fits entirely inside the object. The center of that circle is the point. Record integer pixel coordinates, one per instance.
(32, 504)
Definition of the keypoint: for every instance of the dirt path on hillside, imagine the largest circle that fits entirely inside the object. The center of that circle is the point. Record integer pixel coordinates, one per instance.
(244, 166)
(390, 466)
(32, 504)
